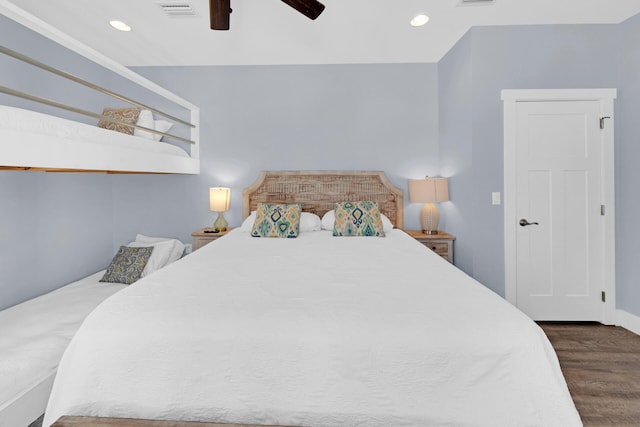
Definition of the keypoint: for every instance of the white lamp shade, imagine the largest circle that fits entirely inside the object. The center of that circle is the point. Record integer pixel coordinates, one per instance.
(428, 190)
(219, 198)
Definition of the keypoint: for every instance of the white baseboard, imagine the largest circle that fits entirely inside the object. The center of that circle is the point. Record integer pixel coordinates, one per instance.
(628, 321)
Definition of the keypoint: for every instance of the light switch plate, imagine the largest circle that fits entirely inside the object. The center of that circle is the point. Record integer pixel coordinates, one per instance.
(495, 198)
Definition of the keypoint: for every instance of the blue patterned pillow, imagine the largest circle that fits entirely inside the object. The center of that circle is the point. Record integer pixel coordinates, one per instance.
(358, 219)
(276, 220)
(128, 264)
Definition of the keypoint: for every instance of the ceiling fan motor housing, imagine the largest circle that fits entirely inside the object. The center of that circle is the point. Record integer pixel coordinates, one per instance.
(219, 11)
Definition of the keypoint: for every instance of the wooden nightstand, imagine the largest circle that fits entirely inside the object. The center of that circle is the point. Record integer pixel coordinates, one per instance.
(201, 237)
(441, 243)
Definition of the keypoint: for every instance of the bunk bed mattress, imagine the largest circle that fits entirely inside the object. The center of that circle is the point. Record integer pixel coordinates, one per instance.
(26, 122)
(34, 334)
(313, 331)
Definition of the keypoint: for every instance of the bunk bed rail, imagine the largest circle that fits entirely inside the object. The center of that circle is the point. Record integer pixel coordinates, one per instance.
(17, 158)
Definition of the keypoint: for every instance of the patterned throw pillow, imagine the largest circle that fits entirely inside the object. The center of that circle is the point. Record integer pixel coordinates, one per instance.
(128, 264)
(127, 115)
(358, 219)
(274, 220)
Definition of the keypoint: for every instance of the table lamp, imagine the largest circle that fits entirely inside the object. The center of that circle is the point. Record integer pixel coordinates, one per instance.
(429, 191)
(219, 202)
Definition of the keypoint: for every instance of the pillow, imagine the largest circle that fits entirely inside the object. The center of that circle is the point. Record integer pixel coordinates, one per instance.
(159, 257)
(329, 218)
(127, 265)
(277, 220)
(358, 219)
(146, 119)
(308, 222)
(161, 126)
(387, 225)
(247, 224)
(176, 251)
(127, 115)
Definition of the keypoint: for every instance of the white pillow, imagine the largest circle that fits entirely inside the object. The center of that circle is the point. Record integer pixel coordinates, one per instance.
(247, 224)
(387, 225)
(146, 119)
(159, 257)
(329, 219)
(308, 222)
(161, 126)
(176, 251)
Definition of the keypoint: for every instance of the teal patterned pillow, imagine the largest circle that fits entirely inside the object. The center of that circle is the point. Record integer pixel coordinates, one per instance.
(358, 219)
(275, 220)
(126, 267)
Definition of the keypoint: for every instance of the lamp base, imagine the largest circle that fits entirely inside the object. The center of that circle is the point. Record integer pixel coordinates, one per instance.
(221, 223)
(430, 232)
(429, 218)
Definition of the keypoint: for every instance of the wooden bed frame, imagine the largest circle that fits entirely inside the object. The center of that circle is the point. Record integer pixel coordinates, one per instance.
(318, 191)
(68, 421)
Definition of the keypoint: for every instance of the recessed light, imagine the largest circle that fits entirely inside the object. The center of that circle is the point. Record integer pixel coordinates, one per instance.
(119, 25)
(419, 20)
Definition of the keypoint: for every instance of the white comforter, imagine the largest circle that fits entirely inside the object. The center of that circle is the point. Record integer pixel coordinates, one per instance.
(314, 331)
(34, 334)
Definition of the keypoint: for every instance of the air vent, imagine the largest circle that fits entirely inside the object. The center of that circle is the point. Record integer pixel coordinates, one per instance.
(177, 8)
(472, 2)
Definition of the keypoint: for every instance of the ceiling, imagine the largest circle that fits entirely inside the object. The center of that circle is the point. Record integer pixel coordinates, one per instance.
(270, 32)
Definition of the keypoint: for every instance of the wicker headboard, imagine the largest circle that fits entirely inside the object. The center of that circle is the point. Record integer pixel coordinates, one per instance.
(317, 191)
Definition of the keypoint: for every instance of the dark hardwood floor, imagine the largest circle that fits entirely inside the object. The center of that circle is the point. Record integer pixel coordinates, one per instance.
(601, 365)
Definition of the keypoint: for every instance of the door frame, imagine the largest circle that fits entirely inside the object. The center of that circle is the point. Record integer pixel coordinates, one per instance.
(510, 98)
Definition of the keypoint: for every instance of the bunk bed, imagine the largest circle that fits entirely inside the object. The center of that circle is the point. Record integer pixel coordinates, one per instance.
(35, 141)
(35, 333)
(33, 336)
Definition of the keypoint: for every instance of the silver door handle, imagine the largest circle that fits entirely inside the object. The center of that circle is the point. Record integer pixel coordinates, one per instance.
(524, 223)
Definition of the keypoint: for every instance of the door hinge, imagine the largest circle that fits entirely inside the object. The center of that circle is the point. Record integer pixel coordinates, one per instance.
(602, 121)
(604, 296)
(602, 210)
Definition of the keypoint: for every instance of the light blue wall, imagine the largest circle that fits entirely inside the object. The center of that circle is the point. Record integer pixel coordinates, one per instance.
(627, 170)
(327, 117)
(253, 118)
(54, 228)
(526, 57)
(489, 59)
(456, 161)
(406, 119)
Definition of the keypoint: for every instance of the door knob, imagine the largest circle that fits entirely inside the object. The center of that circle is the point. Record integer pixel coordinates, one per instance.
(524, 223)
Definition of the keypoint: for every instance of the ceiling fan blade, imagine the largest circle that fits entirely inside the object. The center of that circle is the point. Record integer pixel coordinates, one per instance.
(219, 11)
(309, 8)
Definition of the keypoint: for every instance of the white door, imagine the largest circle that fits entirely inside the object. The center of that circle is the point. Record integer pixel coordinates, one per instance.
(560, 228)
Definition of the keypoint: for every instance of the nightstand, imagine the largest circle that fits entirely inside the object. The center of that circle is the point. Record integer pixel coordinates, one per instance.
(441, 243)
(201, 237)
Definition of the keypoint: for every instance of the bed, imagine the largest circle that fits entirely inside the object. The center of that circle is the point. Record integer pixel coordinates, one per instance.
(313, 331)
(35, 333)
(33, 336)
(33, 141)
